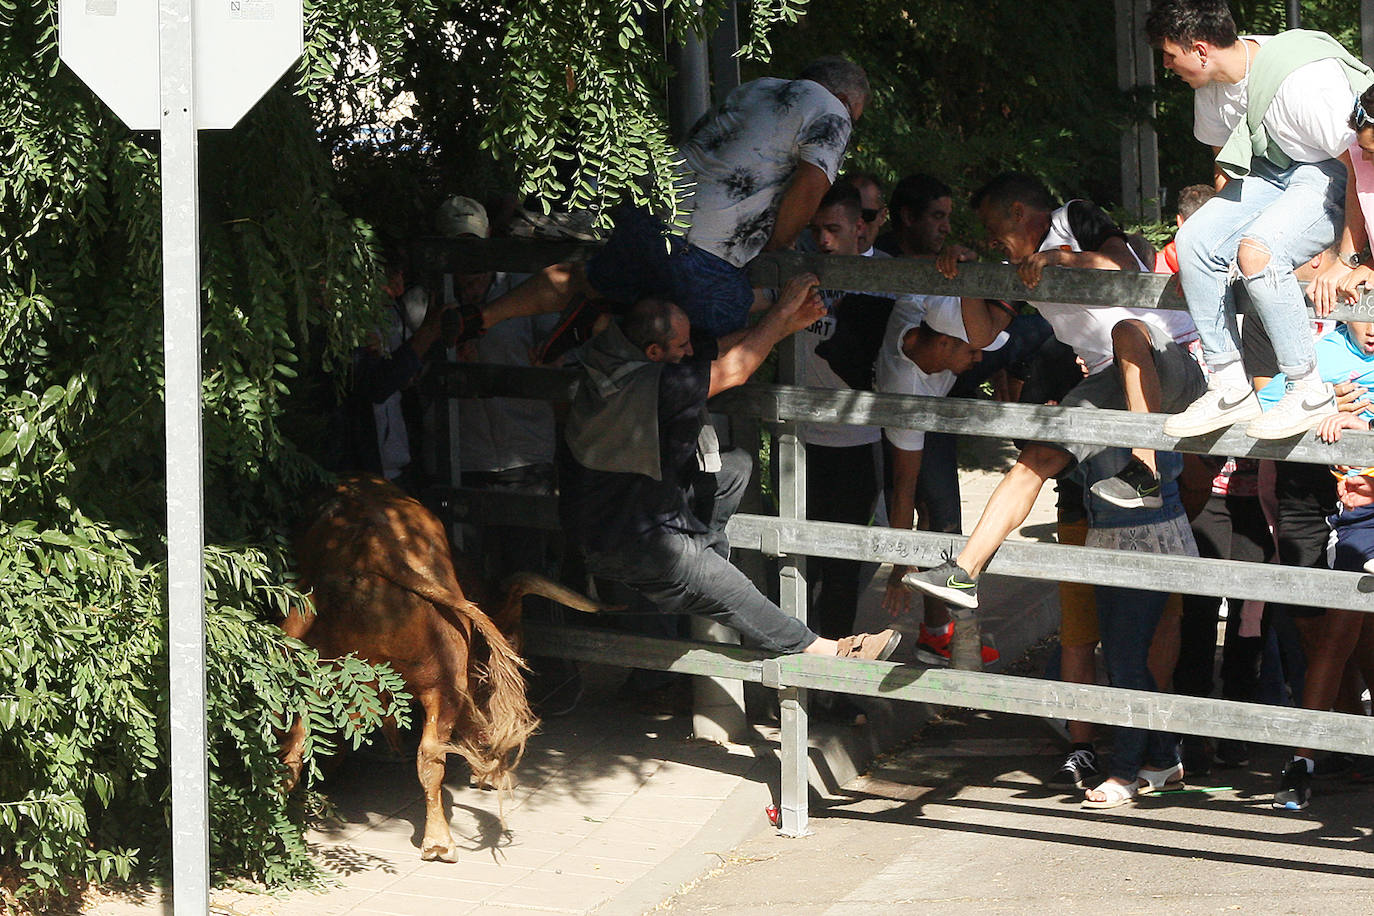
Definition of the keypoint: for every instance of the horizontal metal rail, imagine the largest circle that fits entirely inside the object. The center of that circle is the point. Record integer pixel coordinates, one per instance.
(517, 256)
(485, 380)
(1077, 286)
(1033, 422)
(965, 416)
(1277, 725)
(775, 536)
(1062, 562)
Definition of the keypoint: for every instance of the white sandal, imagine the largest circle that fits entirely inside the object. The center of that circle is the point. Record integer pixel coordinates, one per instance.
(1114, 794)
(1159, 780)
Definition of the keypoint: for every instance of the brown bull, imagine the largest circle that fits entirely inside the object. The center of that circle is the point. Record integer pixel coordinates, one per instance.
(384, 588)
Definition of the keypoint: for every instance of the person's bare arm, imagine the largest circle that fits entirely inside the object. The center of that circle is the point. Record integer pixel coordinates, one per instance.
(1114, 254)
(983, 320)
(1219, 178)
(1325, 289)
(798, 205)
(798, 306)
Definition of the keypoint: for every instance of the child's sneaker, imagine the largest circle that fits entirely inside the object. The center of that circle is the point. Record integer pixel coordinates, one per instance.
(1135, 487)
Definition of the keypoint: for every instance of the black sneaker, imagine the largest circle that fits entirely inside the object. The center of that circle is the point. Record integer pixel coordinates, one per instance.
(1295, 789)
(1232, 753)
(948, 582)
(1197, 755)
(1136, 487)
(1079, 769)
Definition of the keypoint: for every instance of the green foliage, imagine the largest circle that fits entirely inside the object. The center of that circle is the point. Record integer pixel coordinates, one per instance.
(290, 285)
(967, 91)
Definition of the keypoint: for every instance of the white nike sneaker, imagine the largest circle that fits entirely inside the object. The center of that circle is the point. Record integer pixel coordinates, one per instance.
(1216, 408)
(1300, 409)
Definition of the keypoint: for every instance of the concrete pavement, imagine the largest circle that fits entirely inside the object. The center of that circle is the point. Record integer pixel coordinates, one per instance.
(616, 810)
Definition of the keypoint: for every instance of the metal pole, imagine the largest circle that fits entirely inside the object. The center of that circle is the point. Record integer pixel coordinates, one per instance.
(1294, 14)
(724, 44)
(1140, 190)
(1367, 30)
(185, 508)
(689, 88)
(790, 454)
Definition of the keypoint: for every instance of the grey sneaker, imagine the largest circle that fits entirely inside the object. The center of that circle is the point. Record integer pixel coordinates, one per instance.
(1300, 409)
(1216, 408)
(1136, 487)
(948, 582)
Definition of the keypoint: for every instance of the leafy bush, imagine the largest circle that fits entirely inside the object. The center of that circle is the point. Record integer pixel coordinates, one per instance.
(290, 281)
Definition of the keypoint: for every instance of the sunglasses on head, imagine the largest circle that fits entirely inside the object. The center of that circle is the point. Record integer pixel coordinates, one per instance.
(1362, 118)
(870, 215)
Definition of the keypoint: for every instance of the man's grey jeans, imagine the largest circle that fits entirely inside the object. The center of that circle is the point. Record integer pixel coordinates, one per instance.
(685, 573)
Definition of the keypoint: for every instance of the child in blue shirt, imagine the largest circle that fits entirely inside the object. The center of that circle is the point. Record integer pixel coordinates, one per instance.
(1345, 355)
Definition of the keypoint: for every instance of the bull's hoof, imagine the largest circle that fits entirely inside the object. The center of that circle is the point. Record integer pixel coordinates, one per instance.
(439, 853)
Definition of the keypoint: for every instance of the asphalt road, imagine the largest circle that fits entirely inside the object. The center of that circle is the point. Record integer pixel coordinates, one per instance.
(960, 821)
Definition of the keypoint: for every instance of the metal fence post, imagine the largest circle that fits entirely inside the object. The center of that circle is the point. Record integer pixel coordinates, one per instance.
(790, 455)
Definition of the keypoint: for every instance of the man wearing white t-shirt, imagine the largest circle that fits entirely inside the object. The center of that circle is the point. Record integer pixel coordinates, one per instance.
(1275, 109)
(922, 357)
(841, 460)
(1132, 357)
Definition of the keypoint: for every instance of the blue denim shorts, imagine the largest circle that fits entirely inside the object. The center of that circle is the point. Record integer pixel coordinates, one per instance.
(642, 258)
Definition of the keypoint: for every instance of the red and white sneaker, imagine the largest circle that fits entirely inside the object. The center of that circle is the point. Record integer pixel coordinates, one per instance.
(932, 647)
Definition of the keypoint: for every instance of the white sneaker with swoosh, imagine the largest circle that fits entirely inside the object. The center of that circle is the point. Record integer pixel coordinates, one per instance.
(1301, 408)
(1216, 408)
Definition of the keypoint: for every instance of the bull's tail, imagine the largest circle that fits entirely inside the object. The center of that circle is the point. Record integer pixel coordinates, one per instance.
(502, 720)
(518, 585)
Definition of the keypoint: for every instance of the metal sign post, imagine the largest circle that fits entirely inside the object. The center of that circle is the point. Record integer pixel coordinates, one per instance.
(185, 509)
(158, 71)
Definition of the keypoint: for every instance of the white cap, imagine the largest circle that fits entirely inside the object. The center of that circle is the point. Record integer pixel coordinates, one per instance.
(945, 314)
(459, 216)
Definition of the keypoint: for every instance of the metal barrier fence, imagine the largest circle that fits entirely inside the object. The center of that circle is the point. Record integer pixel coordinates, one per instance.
(790, 537)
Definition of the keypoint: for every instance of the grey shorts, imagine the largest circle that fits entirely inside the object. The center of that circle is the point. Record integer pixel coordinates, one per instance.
(1181, 382)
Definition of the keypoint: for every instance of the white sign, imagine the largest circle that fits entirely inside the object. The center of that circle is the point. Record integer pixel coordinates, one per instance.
(242, 47)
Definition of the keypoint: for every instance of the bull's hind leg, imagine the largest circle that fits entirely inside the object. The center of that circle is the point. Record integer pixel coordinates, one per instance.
(434, 748)
(292, 752)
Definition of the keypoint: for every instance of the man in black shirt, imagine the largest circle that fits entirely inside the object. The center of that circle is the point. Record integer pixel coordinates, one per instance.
(642, 449)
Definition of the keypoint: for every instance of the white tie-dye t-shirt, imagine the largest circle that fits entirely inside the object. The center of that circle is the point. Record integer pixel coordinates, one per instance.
(743, 154)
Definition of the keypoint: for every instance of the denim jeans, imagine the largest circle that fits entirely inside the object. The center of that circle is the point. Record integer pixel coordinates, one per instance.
(1294, 213)
(681, 572)
(1127, 619)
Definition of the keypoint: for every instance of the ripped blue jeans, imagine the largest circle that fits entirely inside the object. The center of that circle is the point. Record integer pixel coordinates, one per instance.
(1293, 213)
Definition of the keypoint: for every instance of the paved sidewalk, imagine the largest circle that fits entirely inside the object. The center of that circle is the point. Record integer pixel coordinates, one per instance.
(616, 810)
